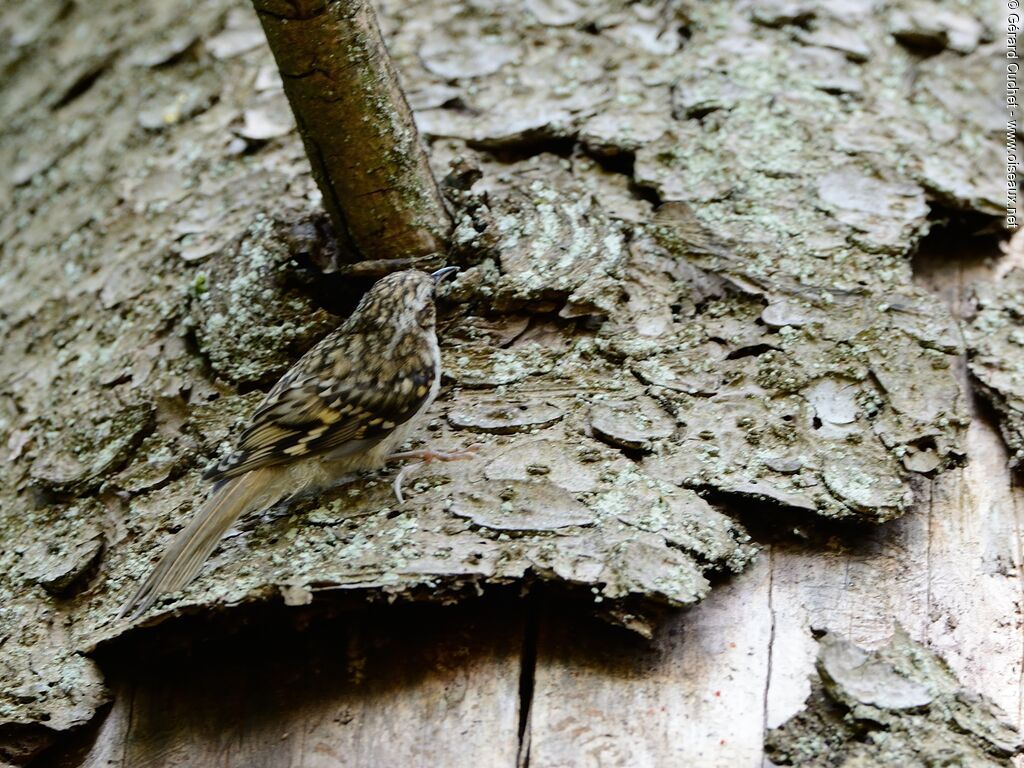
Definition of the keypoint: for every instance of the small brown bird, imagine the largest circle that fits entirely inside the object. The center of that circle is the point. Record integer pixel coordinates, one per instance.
(341, 408)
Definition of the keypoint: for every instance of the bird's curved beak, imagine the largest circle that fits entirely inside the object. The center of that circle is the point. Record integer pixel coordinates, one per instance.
(442, 273)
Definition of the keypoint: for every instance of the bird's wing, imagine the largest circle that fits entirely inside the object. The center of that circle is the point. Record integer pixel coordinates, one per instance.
(333, 398)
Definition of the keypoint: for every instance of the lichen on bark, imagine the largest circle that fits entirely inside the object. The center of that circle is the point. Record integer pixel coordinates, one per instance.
(897, 705)
(759, 338)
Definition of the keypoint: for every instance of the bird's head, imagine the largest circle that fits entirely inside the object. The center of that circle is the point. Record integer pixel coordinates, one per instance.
(402, 300)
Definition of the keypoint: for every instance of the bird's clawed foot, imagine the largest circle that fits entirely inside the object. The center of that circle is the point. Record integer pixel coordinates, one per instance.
(425, 456)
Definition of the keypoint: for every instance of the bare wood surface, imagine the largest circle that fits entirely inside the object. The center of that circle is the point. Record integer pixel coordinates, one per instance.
(692, 697)
(389, 688)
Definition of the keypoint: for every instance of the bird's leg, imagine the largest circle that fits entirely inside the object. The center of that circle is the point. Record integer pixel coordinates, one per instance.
(425, 456)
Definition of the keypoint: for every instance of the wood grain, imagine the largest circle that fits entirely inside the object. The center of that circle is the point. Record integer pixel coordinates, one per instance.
(407, 687)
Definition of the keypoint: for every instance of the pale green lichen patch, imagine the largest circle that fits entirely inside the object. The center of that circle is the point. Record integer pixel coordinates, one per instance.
(250, 323)
(49, 554)
(78, 458)
(899, 705)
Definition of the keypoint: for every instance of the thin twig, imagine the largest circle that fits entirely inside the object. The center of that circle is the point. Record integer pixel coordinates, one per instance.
(357, 128)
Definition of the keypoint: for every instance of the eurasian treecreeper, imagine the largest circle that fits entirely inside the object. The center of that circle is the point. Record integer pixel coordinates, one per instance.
(343, 407)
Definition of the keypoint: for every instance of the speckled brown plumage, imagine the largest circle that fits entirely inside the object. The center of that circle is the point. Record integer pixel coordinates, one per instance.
(354, 388)
(342, 407)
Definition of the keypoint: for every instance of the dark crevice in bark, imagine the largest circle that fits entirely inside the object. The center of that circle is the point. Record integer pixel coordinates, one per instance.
(309, 73)
(920, 45)
(754, 350)
(298, 14)
(527, 678)
(20, 743)
(71, 749)
(85, 81)
(335, 292)
(191, 339)
(956, 238)
(770, 522)
(523, 147)
(624, 162)
(636, 455)
(714, 572)
(961, 217)
(530, 144)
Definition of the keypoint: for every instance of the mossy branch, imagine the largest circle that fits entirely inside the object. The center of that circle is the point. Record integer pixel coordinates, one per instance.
(357, 128)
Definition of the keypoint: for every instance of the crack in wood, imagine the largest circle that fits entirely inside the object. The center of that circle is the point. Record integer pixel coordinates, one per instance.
(527, 679)
(771, 639)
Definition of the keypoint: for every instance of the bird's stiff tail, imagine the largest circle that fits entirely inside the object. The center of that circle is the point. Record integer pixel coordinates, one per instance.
(193, 544)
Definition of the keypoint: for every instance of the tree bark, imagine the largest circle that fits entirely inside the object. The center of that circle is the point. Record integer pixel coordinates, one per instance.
(695, 335)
